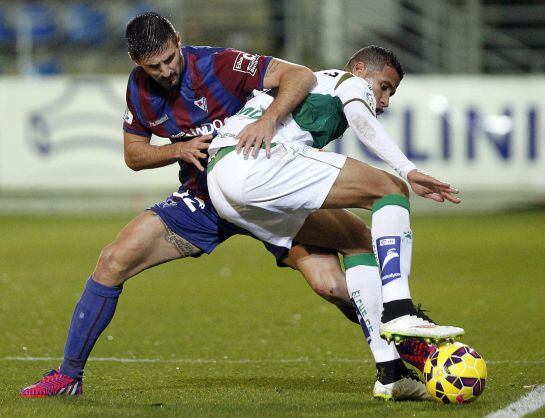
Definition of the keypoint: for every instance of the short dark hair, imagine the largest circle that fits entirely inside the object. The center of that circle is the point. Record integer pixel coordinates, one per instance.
(148, 34)
(376, 57)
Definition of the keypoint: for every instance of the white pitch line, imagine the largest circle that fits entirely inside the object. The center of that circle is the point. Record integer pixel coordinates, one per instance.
(188, 360)
(234, 361)
(529, 403)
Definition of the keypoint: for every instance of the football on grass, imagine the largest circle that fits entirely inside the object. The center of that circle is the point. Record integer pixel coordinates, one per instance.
(455, 373)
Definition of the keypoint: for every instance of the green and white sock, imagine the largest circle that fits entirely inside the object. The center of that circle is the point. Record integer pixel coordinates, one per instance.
(392, 242)
(365, 291)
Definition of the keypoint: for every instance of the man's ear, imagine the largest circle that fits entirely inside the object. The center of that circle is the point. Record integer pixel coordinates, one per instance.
(178, 39)
(359, 69)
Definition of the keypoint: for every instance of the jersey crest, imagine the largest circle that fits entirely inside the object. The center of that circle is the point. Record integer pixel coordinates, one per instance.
(370, 100)
(201, 103)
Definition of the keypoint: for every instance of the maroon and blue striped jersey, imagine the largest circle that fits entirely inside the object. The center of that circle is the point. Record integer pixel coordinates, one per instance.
(214, 84)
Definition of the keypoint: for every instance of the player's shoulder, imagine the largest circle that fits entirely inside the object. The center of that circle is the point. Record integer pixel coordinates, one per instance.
(329, 81)
(212, 58)
(201, 51)
(346, 86)
(342, 78)
(209, 54)
(335, 78)
(332, 73)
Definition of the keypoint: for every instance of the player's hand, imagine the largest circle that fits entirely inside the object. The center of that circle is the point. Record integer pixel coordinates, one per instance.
(429, 187)
(191, 151)
(256, 134)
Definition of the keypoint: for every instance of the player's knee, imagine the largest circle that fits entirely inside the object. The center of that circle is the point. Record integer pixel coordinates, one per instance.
(112, 267)
(403, 188)
(395, 185)
(357, 241)
(332, 291)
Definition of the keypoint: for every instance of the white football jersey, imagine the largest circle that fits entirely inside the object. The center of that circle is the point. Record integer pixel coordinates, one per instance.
(345, 86)
(318, 120)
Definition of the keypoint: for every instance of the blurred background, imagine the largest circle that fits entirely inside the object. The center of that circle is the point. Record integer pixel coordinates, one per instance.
(470, 110)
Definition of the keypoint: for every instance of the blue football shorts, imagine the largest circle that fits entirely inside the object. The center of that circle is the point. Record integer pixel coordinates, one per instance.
(197, 221)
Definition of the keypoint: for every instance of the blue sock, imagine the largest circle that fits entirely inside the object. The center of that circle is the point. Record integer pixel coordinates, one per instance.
(92, 315)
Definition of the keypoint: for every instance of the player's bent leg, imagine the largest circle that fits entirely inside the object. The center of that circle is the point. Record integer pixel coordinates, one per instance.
(145, 242)
(321, 269)
(359, 185)
(347, 233)
(338, 229)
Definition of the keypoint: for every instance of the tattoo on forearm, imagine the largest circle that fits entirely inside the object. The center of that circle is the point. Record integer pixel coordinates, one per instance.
(271, 68)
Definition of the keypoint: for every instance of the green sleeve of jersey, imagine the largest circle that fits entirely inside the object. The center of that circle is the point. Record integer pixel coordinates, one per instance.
(322, 116)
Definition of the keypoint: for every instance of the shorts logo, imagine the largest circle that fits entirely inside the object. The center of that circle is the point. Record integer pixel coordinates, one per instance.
(388, 252)
(246, 63)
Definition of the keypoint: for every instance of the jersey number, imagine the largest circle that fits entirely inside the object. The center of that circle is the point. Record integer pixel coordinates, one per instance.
(331, 73)
(190, 201)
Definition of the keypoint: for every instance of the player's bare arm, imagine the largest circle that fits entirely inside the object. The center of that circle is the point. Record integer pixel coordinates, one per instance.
(140, 154)
(294, 83)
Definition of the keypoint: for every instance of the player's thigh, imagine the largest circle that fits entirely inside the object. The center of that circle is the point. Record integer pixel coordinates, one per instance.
(142, 243)
(321, 269)
(338, 229)
(359, 185)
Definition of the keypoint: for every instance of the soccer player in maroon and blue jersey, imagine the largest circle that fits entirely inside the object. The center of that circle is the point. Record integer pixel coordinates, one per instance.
(185, 93)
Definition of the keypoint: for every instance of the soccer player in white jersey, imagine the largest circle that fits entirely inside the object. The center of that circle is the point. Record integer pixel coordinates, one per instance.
(274, 193)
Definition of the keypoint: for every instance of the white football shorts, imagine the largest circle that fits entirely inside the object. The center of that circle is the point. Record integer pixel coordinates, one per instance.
(272, 197)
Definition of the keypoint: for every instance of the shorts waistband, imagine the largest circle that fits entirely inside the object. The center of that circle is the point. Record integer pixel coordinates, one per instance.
(222, 152)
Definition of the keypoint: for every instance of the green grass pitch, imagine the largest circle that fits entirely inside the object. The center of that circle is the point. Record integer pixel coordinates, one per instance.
(232, 335)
